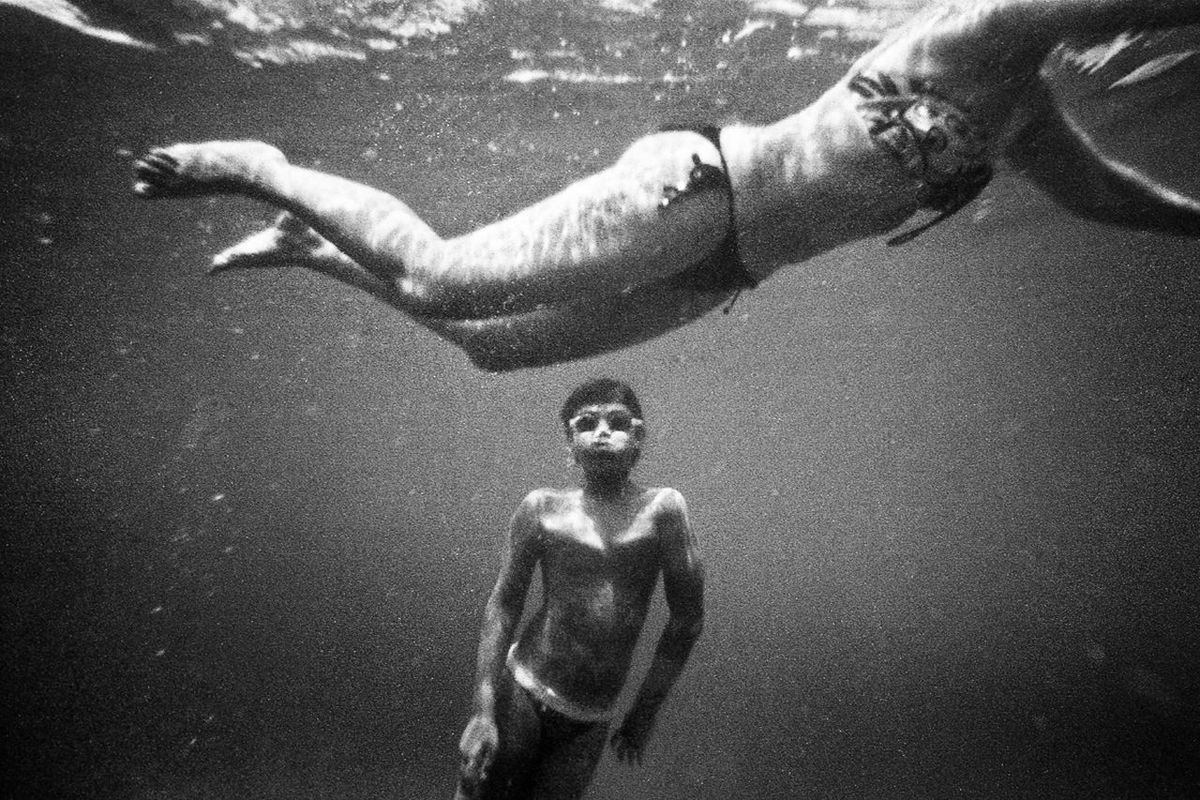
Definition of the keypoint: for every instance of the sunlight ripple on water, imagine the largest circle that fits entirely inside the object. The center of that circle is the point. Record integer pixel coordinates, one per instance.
(274, 33)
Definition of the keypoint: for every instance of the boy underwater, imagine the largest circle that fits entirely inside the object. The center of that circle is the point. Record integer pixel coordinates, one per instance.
(543, 701)
(687, 217)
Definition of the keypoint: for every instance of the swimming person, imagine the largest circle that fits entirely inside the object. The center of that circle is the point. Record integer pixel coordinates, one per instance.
(688, 217)
(543, 701)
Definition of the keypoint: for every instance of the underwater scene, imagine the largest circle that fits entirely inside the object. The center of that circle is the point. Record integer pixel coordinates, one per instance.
(947, 493)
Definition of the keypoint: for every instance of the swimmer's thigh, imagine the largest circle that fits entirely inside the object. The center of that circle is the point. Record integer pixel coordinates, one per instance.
(572, 752)
(515, 765)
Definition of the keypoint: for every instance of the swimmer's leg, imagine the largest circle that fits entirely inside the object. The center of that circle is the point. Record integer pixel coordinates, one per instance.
(550, 335)
(1055, 154)
(581, 329)
(350, 212)
(290, 242)
(287, 242)
(568, 767)
(520, 751)
(599, 235)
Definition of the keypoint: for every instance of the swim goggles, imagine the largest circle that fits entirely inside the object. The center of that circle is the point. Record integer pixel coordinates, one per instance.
(617, 421)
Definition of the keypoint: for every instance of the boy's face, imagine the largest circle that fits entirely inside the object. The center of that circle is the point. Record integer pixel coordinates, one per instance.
(605, 438)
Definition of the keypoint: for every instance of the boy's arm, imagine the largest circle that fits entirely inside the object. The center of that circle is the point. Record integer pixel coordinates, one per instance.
(480, 740)
(683, 584)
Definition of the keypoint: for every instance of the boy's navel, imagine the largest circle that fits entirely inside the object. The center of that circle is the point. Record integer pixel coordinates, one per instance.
(603, 600)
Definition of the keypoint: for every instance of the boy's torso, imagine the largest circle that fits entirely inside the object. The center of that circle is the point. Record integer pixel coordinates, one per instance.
(600, 563)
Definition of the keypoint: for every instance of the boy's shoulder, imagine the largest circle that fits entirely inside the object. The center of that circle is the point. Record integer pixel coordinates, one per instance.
(666, 501)
(662, 498)
(548, 493)
(548, 499)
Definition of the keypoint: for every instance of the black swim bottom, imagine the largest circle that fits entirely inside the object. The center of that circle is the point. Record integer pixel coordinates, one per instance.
(542, 752)
(723, 270)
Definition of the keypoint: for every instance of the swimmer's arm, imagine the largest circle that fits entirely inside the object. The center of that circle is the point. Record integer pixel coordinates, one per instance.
(481, 740)
(507, 601)
(683, 584)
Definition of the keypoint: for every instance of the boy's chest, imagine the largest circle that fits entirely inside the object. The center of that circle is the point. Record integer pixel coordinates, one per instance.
(603, 534)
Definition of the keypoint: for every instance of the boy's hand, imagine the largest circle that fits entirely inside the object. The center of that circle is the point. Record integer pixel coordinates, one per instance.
(478, 746)
(630, 739)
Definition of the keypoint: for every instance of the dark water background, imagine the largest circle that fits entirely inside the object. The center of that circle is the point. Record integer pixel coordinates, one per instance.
(947, 493)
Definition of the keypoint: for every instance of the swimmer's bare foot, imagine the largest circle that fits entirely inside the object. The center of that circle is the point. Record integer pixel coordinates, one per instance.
(289, 242)
(184, 170)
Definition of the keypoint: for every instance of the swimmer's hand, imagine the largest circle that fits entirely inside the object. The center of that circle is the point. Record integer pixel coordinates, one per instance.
(629, 742)
(478, 747)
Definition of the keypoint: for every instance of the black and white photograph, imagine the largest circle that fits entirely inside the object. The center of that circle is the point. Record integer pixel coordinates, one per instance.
(605, 399)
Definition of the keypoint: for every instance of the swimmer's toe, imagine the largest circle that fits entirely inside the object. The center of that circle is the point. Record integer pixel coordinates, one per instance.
(204, 168)
(158, 174)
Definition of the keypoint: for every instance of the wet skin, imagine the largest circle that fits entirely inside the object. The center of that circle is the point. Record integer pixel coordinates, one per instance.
(600, 550)
(605, 263)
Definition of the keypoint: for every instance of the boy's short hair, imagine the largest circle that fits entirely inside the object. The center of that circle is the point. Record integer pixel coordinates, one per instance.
(597, 392)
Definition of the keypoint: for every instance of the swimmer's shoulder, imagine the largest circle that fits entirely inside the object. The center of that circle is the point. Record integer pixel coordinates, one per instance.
(529, 521)
(665, 503)
(546, 500)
